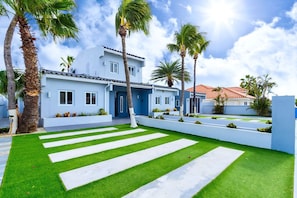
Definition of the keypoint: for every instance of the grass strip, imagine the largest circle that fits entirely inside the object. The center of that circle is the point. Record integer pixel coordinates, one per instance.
(257, 173)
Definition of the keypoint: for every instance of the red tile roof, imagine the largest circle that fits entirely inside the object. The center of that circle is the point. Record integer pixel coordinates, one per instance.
(230, 92)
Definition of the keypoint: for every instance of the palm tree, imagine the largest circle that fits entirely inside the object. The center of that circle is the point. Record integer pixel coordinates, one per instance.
(183, 40)
(198, 47)
(132, 16)
(66, 64)
(19, 81)
(52, 17)
(169, 72)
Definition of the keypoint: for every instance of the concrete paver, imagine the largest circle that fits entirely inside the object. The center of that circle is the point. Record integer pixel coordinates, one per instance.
(189, 179)
(67, 134)
(89, 138)
(5, 145)
(87, 174)
(79, 152)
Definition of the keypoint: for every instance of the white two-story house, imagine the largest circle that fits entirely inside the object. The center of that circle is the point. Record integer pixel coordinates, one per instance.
(97, 80)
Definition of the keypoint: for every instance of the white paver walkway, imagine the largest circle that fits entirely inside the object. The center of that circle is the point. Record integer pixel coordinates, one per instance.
(84, 175)
(90, 138)
(79, 152)
(5, 145)
(189, 179)
(66, 134)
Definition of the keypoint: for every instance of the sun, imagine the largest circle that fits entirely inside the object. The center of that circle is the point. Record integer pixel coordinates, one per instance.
(221, 14)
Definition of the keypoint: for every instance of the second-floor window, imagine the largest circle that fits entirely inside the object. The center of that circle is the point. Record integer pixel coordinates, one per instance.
(167, 100)
(114, 67)
(132, 70)
(66, 98)
(90, 98)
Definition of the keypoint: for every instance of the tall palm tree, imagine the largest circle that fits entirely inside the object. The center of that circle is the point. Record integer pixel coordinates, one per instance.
(169, 72)
(198, 47)
(66, 63)
(183, 40)
(132, 16)
(52, 17)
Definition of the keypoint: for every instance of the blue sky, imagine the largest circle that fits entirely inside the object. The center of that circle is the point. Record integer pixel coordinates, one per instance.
(253, 37)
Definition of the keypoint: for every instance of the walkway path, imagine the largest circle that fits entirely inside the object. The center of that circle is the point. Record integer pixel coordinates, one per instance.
(189, 179)
(5, 144)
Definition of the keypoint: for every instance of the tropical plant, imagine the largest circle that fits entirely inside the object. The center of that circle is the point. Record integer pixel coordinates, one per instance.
(19, 82)
(260, 87)
(220, 100)
(132, 16)
(295, 102)
(66, 63)
(183, 41)
(169, 72)
(197, 48)
(52, 17)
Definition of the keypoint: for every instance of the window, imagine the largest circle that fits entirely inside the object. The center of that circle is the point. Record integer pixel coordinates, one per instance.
(114, 67)
(167, 100)
(132, 70)
(177, 103)
(90, 98)
(158, 100)
(245, 103)
(66, 97)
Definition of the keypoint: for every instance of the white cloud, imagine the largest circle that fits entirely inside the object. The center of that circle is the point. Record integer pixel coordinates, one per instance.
(267, 50)
(293, 13)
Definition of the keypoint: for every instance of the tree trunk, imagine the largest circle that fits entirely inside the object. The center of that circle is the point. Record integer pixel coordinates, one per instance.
(10, 76)
(123, 33)
(181, 110)
(194, 91)
(30, 116)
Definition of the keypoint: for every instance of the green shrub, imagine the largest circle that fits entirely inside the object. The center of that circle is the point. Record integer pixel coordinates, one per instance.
(198, 122)
(4, 130)
(268, 122)
(175, 109)
(150, 116)
(214, 117)
(265, 130)
(82, 114)
(156, 110)
(102, 112)
(181, 120)
(167, 110)
(231, 125)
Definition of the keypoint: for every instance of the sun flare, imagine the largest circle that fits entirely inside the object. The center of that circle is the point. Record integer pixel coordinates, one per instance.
(221, 13)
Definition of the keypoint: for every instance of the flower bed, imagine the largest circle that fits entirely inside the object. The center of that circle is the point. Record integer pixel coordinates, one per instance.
(239, 136)
(64, 121)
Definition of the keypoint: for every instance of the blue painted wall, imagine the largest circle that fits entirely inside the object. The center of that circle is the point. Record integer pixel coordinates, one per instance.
(283, 124)
(295, 112)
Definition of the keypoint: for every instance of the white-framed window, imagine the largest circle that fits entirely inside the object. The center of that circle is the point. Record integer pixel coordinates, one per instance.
(158, 100)
(66, 97)
(91, 98)
(245, 103)
(177, 103)
(132, 70)
(114, 67)
(167, 100)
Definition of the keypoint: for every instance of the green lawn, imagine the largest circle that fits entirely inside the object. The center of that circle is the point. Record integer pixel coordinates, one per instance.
(257, 173)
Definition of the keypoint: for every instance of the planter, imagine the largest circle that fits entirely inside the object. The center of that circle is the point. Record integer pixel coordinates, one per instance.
(239, 136)
(65, 121)
(156, 114)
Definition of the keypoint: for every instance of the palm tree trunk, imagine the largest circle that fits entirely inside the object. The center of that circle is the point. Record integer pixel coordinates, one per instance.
(181, 110)
(194, 91)
(10, 76)
(30, 116)
(123, 33)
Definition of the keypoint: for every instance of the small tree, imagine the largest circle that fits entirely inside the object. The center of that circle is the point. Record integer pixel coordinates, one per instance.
(66, 63)
(260, 87)
(219, 101)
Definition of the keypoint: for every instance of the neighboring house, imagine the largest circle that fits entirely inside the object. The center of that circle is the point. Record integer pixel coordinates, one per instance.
(237, 101)
(97, 81)
(234, 95)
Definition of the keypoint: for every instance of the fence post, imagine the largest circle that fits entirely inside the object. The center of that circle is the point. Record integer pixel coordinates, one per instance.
(283, 124)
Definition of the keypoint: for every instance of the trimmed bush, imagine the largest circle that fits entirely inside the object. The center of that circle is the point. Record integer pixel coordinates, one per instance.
(156, 110)
(214, 117)
(198, 122)
(181, 120)
(268, 122)
(265, 130)
(231, 125)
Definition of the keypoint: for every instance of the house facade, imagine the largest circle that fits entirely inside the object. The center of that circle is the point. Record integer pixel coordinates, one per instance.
(97, 81)
(236, 99)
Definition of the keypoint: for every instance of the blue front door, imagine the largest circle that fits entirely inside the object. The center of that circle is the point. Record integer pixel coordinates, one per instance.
(121, 105)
